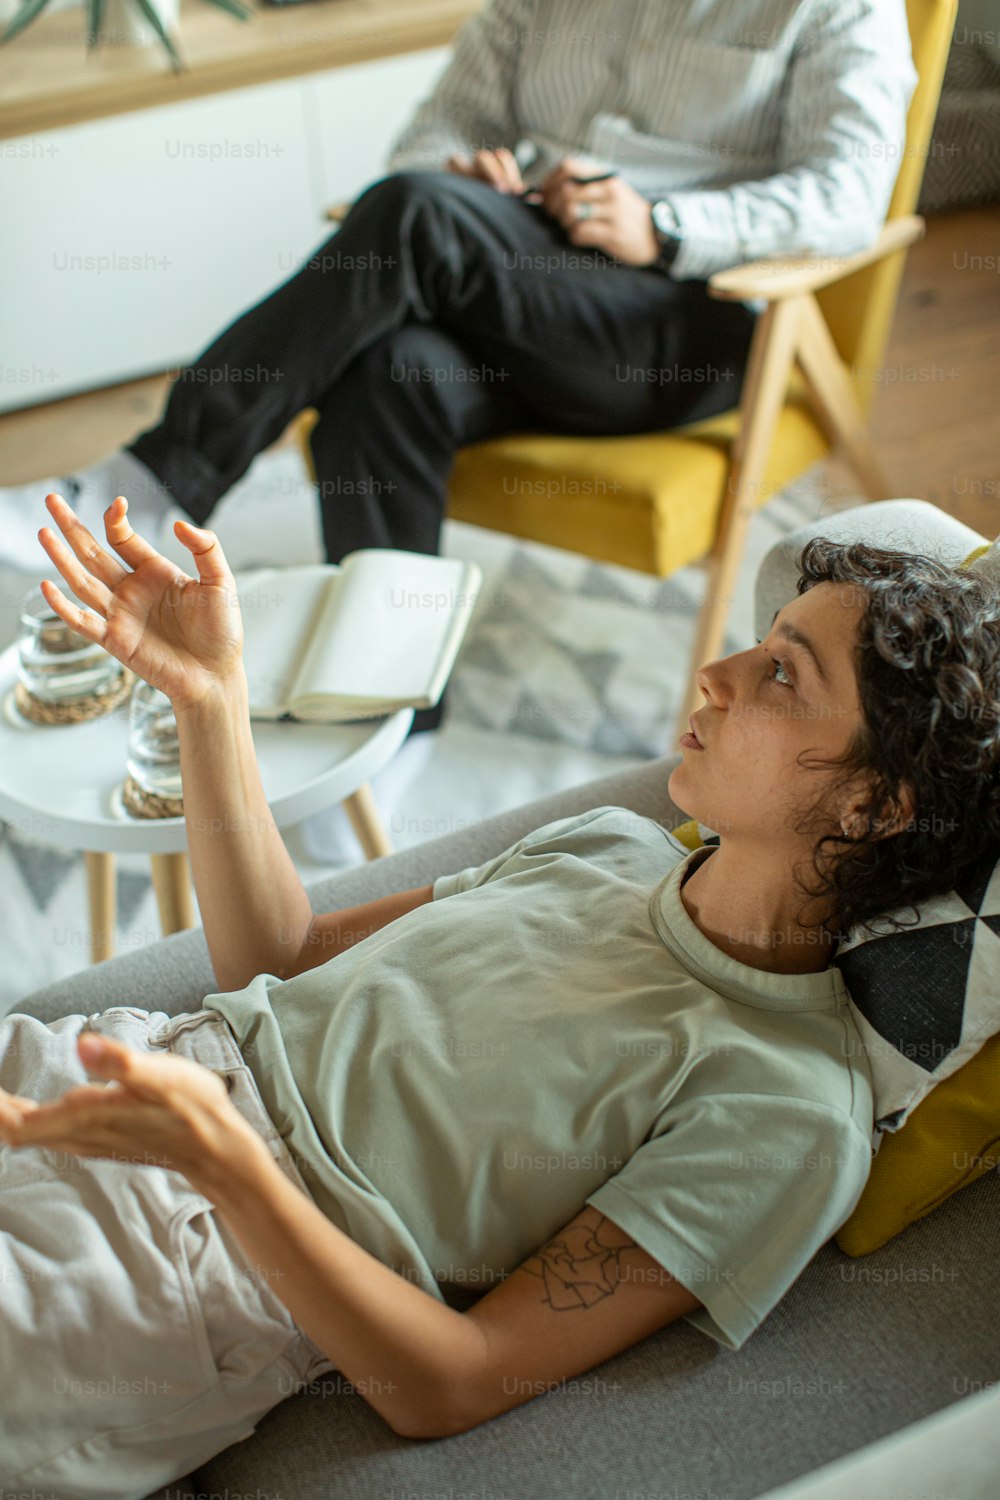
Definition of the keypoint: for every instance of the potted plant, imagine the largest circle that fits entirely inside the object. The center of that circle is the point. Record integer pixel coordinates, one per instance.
(143, 21)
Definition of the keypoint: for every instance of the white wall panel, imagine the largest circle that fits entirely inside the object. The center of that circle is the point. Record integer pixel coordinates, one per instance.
(128, 242)
(360, 110)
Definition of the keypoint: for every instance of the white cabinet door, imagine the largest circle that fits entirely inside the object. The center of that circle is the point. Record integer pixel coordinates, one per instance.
(359, 111)
(130, 242)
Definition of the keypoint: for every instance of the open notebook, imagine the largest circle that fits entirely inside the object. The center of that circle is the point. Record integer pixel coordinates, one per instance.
(378, 633)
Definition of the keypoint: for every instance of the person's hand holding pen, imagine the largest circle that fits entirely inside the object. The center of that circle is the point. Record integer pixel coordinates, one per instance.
(597, 209)
(600, 211)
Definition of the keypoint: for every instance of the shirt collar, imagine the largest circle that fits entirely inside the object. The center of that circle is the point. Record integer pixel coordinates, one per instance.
(726, 975)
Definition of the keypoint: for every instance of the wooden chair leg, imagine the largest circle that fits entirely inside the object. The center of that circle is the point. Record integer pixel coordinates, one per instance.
(835, 401)
(101, 896)
(172, 884)
(300, 427)
(363, 812)
(771, 354)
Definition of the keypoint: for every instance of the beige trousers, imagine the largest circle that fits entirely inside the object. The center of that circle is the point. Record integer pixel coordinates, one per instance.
(136, 1340)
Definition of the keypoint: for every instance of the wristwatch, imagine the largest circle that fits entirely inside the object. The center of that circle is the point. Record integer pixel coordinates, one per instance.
(666, 226)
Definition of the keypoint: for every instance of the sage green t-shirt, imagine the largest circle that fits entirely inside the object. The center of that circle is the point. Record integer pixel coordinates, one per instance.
(553, 1030)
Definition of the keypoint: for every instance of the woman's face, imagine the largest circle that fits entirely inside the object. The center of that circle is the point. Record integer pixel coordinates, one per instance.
(794, 693)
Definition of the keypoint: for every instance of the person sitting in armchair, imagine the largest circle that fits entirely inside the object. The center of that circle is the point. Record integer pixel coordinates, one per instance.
(660, 144)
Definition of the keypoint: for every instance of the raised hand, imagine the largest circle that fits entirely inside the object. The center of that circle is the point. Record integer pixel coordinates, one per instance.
(183, 635)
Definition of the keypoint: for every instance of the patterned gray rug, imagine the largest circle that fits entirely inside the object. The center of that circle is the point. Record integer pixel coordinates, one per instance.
(570, 670)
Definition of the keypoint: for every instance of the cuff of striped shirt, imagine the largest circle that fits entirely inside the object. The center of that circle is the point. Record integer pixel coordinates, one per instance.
(709, 239)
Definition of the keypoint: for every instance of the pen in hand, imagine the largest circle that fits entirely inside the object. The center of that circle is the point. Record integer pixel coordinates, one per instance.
(579, 181)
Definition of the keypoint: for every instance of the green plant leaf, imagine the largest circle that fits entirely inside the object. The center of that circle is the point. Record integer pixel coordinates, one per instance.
(29, 10)
(153, 17)
(234, 7)
(95, 19)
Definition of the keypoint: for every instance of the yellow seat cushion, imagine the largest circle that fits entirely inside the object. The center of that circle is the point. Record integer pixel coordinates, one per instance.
(951, 1139)
(650, 501)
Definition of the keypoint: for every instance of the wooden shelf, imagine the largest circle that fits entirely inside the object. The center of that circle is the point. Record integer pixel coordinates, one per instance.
(48, 81)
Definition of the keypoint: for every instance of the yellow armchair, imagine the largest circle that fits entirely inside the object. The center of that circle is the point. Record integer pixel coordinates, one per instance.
(660, 501)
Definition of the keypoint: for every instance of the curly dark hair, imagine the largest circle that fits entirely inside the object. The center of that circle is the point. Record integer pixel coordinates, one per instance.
(928, 670)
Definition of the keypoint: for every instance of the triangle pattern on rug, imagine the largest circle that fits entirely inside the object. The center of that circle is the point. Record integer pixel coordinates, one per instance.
(43, 870)
(601, 583)
(670, 598)
(535, 716)
(595, 667)
(524, 569)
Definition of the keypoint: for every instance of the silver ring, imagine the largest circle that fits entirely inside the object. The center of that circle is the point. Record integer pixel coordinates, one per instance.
(584, 210)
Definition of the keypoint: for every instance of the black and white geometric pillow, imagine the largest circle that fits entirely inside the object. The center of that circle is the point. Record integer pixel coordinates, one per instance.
(927, 997)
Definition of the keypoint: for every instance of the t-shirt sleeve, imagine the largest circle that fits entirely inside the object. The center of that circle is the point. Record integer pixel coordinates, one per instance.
(550, 833)
(735, 1196)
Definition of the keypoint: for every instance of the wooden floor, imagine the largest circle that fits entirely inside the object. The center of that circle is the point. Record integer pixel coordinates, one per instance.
(936, 420)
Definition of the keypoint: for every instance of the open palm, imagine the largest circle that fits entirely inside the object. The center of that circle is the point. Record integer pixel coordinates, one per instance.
(183, 635)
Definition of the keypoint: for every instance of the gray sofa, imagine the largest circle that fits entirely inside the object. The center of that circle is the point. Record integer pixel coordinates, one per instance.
(857, 1350)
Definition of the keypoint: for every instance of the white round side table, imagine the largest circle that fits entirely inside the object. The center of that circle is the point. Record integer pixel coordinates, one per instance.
(60, 785)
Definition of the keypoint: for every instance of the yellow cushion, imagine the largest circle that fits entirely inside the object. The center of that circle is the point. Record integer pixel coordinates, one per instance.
(688, 834)
(649, 501)
(951, 1139)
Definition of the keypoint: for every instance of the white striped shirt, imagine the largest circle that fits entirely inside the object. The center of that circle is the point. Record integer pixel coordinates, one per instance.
(770, 127)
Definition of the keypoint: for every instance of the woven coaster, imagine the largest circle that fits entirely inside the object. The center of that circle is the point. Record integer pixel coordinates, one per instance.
(147, 804)
(72, 710)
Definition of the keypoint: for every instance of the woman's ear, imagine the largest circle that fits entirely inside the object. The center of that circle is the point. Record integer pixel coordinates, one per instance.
(896, 814)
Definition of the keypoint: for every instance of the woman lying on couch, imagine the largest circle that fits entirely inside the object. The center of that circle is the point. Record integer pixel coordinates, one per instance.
(605, 1081)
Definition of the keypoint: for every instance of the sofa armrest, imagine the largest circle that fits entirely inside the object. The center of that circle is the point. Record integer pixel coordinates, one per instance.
(175, 974)
(908, 525)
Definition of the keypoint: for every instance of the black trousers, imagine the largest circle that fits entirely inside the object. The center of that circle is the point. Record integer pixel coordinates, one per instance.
(441, 313)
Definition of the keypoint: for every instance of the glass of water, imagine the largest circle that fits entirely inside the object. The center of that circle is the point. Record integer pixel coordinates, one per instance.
(154, 754)
(55, 662)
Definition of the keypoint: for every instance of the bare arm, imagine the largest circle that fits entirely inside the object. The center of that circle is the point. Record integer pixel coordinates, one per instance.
(332, 932)
(253, 904)
(431, 1371)
(254, 908)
